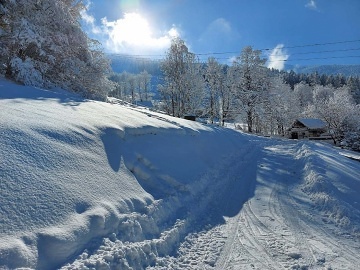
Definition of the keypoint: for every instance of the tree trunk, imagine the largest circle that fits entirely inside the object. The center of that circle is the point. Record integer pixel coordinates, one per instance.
(249, 121)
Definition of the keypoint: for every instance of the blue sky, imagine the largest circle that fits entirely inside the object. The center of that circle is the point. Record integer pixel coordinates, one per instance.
(222, 28)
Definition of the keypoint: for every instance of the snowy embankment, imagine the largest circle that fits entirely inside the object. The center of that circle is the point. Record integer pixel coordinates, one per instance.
(74, 171)
(88, 184)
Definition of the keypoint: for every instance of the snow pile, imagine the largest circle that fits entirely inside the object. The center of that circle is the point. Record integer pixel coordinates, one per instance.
(74, 171)
(94, 185)
(334, 199)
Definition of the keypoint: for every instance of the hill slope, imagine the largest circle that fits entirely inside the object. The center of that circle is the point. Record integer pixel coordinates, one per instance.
(87, 184)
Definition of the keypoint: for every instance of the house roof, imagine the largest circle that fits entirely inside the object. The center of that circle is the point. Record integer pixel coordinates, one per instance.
(312, 123)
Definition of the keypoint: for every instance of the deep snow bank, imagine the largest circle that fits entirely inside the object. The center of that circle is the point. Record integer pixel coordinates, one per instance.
(74, 171)
(332, 181)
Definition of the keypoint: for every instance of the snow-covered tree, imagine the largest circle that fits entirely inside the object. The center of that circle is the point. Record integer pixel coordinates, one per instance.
(194, 89)
(284, 108)
(252, 82)
(322, 93)
(354, 85)
(340, 113)
(145, 79)
(214, 78)
(182, 87)
(304, 94)
(43, 44)
(226, 95)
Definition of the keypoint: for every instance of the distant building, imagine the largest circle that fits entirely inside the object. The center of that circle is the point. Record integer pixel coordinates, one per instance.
(190, 117)
(309, 128)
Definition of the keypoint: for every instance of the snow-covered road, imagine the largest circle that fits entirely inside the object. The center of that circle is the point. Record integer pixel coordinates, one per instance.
(267, 223)
(93, 185)
(279, 228)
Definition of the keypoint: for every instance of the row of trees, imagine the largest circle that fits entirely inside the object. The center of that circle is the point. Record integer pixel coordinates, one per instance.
(42, 44)
(214, 90)
(251, 93)
(312, 79)
(132, 87)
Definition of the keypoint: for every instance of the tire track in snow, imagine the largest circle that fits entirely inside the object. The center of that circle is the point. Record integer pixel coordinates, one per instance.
(332, 243)
(293, 221)
(282, 205)
(339, 249)
(233, 223)
(272, 240)
(315, 232)
(250, 232)
(202, 249)
(223, 260)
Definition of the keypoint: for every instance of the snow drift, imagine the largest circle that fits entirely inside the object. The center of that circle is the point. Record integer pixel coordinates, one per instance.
(75, 170)
(88, 184)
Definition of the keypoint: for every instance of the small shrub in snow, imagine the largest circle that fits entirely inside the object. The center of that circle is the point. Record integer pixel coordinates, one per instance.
(25, 72)
(352, 141)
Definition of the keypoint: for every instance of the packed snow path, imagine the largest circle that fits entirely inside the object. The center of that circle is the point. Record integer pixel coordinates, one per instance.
(92, 185)
(278, 228)
(267, 222)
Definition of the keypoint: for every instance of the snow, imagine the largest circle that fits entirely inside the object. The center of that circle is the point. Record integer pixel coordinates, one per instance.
(93, 185)
(312, 122)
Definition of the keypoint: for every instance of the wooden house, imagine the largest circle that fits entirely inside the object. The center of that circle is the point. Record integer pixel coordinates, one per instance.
(309, 128)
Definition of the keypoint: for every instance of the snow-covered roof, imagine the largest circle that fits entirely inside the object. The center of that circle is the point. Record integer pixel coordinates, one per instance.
(312, 122)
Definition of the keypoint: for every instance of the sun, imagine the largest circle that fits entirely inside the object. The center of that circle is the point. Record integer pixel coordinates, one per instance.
(133, 29)
(132, 34)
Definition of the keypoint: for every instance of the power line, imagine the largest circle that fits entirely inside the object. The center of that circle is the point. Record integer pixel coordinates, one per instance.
(328, 51)
(288, 47)
(319, 44)
(303, 59)
(149, 56)
(316, 58)
(266, 49)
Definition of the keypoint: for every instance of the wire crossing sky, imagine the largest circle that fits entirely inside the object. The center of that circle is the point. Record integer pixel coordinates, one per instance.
(282, 29)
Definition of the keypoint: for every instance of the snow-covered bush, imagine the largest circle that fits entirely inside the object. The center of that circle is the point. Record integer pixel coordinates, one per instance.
(25, 72)
(352, 141)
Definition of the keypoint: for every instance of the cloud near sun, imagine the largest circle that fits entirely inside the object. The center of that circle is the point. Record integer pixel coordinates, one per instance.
(131, 34)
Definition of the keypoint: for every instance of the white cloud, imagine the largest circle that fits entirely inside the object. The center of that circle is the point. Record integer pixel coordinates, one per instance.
(90, 20)
(218, 30)
(277, 57)
(311, 4)
(131, 34)
(220, 25)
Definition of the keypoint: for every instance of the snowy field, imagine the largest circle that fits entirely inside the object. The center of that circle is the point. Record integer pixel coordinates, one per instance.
(93, 185)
